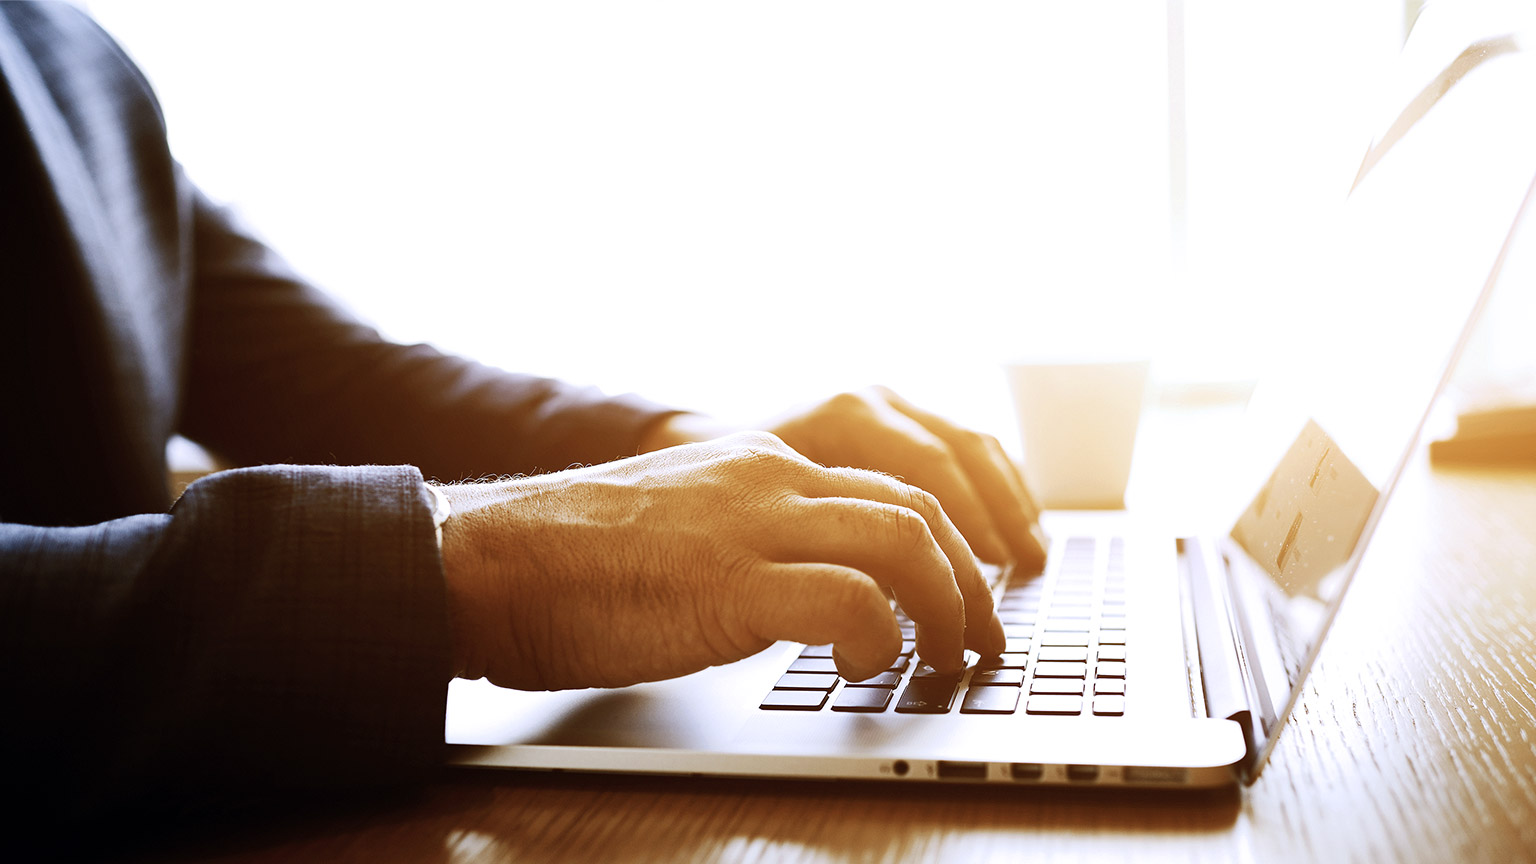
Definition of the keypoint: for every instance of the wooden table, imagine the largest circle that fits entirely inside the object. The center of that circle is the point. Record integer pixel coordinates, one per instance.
(1414, 742)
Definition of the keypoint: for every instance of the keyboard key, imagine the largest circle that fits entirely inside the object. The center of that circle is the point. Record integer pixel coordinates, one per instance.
(1054, 705)
(794, 700)
(1111, 670)
(1062, 654)
(990, 700)
(1018, 631)
(1072, 615)
(1022, 597)
(1112, 652)
(886, 680)
(1112, 637)
(1109, 706)
(865, 700)
(1004, 661)
(925, 671)
(1059, 686)
(806, 681)
(1018, 645)
(1079, 640)
(907, 647)
(927, 696)
(900, 663)
(1109, 686)
(997, 677)
(1065, 625)
(824, 651)
(1061, 670)
(1024, 618)
(813, 664)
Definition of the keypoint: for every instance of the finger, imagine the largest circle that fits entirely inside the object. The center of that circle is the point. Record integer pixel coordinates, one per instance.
(988, 466)
(994, 476)
(894, 546)
(927, 461)
(871, 517)
(1015, 478)
(825, 603)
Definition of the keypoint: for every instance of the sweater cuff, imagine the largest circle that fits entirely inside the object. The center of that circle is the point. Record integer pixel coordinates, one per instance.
(310, 647)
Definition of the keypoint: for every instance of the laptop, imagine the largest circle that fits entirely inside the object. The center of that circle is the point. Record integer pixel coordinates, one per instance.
(1140, 657)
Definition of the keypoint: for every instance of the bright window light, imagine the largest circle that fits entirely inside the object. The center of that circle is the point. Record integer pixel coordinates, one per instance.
(738, 206)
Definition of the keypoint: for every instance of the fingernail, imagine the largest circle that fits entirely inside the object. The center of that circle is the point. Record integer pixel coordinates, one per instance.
(848, 670)
(1041, 539)
(992, 549)
(951, 663)
(997, 640)
(1036, 545)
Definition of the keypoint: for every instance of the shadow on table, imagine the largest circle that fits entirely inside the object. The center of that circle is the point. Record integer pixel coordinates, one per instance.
(494, 816)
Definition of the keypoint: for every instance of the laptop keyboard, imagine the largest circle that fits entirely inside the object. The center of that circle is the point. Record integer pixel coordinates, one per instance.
(1065, 655)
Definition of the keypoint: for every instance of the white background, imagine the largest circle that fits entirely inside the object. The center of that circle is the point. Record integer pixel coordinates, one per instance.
(738, 206)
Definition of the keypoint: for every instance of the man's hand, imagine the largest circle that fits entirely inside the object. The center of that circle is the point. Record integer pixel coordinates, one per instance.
(664, 564)
(979, 487)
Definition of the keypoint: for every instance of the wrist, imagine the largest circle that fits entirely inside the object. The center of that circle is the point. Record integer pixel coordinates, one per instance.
(460, 571)
(442, 508)
(682, 428)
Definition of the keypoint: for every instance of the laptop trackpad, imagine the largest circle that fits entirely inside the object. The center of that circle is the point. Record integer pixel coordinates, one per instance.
(704, 710)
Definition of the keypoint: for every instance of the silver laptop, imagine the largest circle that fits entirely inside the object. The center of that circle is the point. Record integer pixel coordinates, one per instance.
(1142, 658)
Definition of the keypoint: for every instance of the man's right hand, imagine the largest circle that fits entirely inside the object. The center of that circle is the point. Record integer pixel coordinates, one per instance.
(693, 556)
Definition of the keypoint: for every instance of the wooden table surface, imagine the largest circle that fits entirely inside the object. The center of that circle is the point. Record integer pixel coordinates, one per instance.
(1413, 742)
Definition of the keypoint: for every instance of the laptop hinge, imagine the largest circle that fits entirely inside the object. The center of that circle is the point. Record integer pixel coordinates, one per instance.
(1224, 686)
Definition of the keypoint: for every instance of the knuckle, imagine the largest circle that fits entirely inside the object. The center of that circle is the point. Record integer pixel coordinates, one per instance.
(852, 480)
(847, 402)
(756, 441)
(848, 595)
(970, 441)
(758, 449)
(908, 529)
(934, 454)
(922, 502)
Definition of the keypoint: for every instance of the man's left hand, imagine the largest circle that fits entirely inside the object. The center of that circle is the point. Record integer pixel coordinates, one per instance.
(976, 482)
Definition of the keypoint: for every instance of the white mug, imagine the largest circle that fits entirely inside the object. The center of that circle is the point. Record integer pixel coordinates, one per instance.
(1078, 422)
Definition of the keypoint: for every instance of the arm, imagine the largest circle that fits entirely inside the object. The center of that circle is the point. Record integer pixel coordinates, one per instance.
(159, 662)
(279, 373)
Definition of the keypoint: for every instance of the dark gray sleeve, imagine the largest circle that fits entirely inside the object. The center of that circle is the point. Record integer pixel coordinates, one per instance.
(282, 628)
(279, 372)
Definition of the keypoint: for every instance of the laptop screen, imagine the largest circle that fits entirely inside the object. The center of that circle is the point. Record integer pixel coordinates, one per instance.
(1386, 302)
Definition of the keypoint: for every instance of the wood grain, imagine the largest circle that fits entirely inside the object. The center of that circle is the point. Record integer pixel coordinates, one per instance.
(1413, 743)
(1414, 738)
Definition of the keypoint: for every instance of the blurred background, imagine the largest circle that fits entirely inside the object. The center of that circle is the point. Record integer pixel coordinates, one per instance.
(735, 207)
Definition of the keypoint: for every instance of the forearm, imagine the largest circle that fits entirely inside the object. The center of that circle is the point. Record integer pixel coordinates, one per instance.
(280, 373)
(280, 629)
